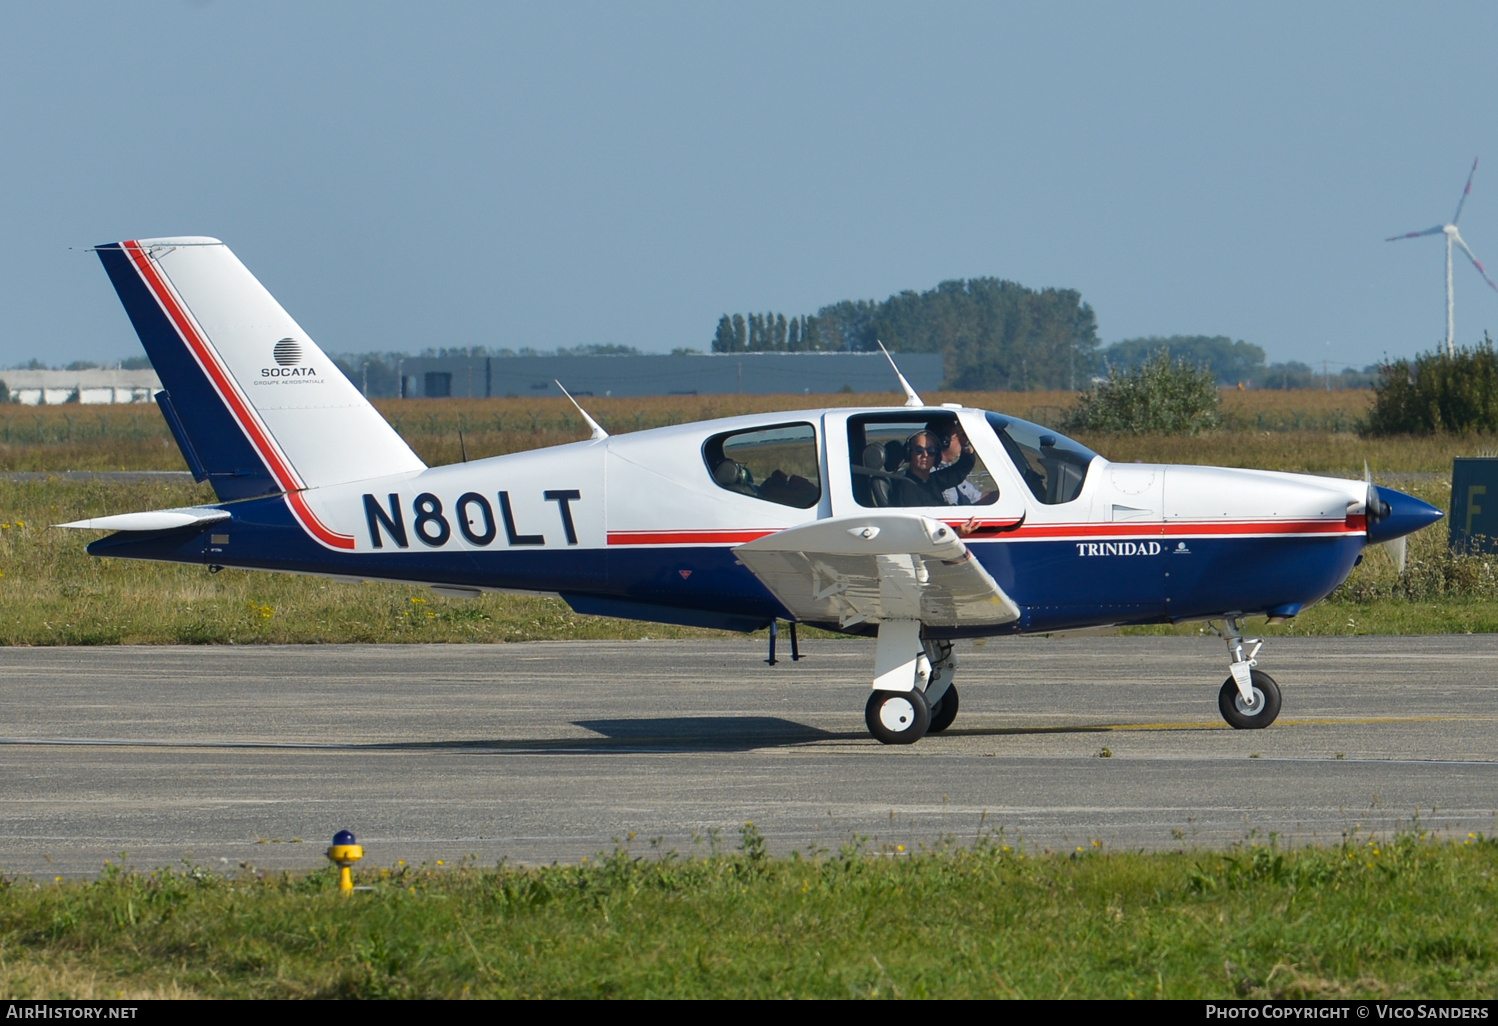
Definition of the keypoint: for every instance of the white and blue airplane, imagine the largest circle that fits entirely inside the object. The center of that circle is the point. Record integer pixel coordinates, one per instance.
(839, 518)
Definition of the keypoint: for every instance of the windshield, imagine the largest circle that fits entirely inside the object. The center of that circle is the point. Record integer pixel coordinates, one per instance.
(1054, 467)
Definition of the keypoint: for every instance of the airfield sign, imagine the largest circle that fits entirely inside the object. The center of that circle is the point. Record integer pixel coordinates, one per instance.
(1474, 503)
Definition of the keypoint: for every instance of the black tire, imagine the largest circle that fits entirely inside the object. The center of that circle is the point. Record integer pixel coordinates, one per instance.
(944, 711)
(1230, 704)
(897, 717)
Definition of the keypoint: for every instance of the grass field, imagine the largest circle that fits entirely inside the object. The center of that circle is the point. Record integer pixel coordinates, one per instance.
(1378, 917)
(1308, 431)
(55, 594)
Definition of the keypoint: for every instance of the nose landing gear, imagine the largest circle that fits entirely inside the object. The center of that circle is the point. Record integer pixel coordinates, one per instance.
(1249, 699)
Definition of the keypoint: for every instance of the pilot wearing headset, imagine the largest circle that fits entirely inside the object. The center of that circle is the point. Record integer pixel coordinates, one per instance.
(923, 483)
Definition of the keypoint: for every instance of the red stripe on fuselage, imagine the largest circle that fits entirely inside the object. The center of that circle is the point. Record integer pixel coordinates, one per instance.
(1039, 532)
(1243, 528)
(210, 364)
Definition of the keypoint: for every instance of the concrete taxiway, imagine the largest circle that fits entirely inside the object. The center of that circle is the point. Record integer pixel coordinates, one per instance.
(223, 756)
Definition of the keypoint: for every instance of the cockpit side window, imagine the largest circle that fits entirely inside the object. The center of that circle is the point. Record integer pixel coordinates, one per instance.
(880, 458)
(1053, 466)
(776, 464)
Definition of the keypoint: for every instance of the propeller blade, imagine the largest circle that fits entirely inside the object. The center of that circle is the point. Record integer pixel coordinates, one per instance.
(1475, 262)
(1437, 230)
(1397, 550)
(1374, 508)
(1463, 201)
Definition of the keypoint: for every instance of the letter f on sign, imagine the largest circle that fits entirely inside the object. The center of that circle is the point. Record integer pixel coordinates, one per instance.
(1473, 491)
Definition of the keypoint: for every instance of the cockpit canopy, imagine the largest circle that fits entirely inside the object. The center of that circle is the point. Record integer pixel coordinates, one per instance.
(1054, 467)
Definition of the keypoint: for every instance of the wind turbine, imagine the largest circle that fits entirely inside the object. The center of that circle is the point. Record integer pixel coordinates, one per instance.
(1449, 230)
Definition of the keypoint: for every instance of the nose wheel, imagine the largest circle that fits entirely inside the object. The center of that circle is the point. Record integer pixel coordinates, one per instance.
(898, 717)
(1255, 715)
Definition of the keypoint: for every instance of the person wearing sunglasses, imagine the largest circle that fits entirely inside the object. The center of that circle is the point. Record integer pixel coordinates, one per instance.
(923, 483)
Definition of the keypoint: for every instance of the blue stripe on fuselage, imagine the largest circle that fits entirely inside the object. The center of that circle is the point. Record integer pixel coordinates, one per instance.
(1055, 587)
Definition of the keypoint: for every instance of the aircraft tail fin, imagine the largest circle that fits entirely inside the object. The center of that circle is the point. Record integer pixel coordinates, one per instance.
(253, 403)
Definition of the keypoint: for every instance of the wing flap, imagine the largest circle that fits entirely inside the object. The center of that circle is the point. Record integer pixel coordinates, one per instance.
(872, 568)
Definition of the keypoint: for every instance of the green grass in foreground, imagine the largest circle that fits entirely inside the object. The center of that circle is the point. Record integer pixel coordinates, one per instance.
(1403, 917)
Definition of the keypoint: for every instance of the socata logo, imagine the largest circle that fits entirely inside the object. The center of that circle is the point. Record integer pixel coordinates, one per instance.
(288, 353)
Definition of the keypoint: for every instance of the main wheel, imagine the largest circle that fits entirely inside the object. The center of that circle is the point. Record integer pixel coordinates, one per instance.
(1242, 716)
(897, 717)
(944, 711)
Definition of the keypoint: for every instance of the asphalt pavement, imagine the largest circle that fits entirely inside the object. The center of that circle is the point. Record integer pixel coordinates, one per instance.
(232, 756)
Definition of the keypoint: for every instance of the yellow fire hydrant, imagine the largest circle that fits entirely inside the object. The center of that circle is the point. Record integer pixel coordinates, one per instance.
(344, 853)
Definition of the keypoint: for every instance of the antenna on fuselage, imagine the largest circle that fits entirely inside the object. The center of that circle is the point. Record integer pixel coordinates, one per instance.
(911, 399)
(598, 431)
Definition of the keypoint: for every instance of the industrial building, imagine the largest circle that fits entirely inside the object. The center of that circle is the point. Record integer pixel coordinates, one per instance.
(431, 377)
(99, 385)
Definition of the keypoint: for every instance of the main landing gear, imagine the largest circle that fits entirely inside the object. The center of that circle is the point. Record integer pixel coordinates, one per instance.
(913, 693)
(1249, 699)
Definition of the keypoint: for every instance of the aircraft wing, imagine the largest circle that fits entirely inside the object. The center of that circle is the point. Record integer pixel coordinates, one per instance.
(876, 567)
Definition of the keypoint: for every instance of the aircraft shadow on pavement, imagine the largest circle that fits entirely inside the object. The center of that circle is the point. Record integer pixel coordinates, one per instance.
(677, 734)
(710, 733)
(1081, 728)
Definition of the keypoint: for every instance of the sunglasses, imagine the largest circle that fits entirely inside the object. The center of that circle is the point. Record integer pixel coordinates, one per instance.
(930, 450)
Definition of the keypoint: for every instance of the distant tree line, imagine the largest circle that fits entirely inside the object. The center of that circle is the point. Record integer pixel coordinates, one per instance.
(992, 334)
(1232, 362)
(769, 333)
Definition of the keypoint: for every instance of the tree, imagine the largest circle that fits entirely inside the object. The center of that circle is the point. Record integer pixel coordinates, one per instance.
(991, 333)
(1171, 397)
(1436, 392)
(811, 335)
(740, 339)
(724, 337)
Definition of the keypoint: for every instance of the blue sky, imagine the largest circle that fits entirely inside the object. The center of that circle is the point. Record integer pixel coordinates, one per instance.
(404, 176)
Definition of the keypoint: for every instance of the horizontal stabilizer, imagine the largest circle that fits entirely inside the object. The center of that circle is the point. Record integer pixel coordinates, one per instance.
(155, 519)
(871, 568)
